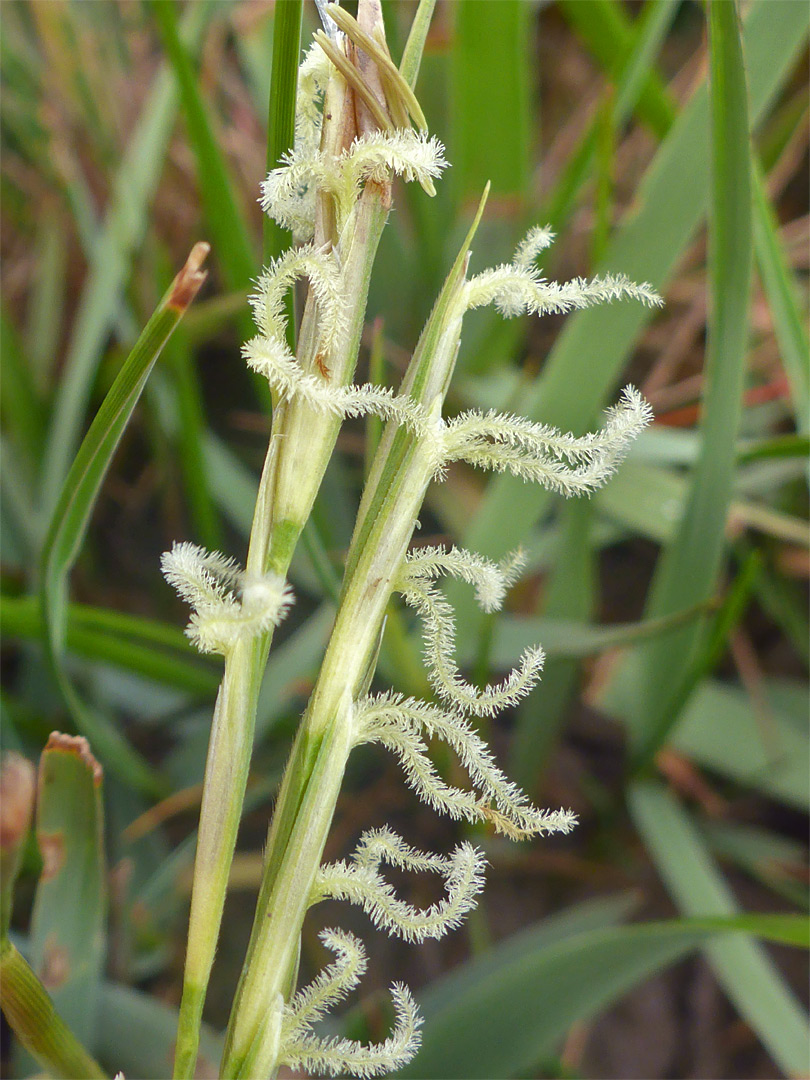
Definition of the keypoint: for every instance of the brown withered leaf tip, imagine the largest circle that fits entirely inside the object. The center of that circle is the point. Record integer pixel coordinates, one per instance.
(17, 791)
(78, 745)
(187, 283)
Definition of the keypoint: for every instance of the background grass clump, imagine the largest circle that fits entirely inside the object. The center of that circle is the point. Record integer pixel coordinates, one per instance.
(659, 938)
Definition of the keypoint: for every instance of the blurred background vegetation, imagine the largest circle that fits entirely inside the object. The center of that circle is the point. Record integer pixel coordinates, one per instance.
(672, 716)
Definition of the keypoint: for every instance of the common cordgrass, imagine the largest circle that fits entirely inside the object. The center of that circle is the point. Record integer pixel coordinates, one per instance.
(626, 155)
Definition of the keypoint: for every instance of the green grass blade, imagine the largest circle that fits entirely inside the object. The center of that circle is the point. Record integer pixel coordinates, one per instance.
(780, 289)
(233, 485)
(137, 1033)
(501, 337)
(75, 505)
(20, 404)
(570, 595)
(490, 86)
(778, 929)
(19, 521)
(744, 969)
(776, 446)
(691, 672)
(415, 45)
(787, 609)
(157, 650)
(191, 428)
(650, 501)
(771, 752)
(566, 639)
(604, 180)
(124, 226)
(281, 109)
(229, 233)
(776, 861)
(68, 922)
(501, 1015)
(637, 68)
(603, 27)
(688, 569)
(48, 299)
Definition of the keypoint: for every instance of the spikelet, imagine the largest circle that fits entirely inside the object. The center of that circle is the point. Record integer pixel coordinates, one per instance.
(228, 606)
(313, 76)
(288, 193)
(360, 882)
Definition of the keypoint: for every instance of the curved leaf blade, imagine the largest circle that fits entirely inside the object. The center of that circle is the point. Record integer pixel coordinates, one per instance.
(75, 506)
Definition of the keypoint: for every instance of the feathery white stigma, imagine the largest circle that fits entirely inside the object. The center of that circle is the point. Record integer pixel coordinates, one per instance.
(313, 77)
(517, 287)
(288, 193)
(228, 606)
(415, 585)
(360, 882)
(404, 724)
(299, 1049)
(561, 462)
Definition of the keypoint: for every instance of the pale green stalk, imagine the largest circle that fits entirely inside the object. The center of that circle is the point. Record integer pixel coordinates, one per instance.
(402, 470)
(301, 443)
(300, 447)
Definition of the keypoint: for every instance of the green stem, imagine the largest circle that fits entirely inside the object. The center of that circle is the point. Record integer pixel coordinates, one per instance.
(33, 1019)
(313, 779)
(299, 450)
(281, 126)
(300, 447)
(399, 477)
(281, 108)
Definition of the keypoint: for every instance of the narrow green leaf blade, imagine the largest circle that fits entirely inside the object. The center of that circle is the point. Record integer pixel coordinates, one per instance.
(770, 754)
(281, 109)
(33, 1019)
(229, 232)
(75, 505)
(602, 26)
(779, 929)
(500, 1015)
(20, 406)
(566, 639)
(137, 1032)
(157, 650)
(690, 565)
(747, 974)
(491, 99)
(68, 934)
(570, 594)
(780, 288)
